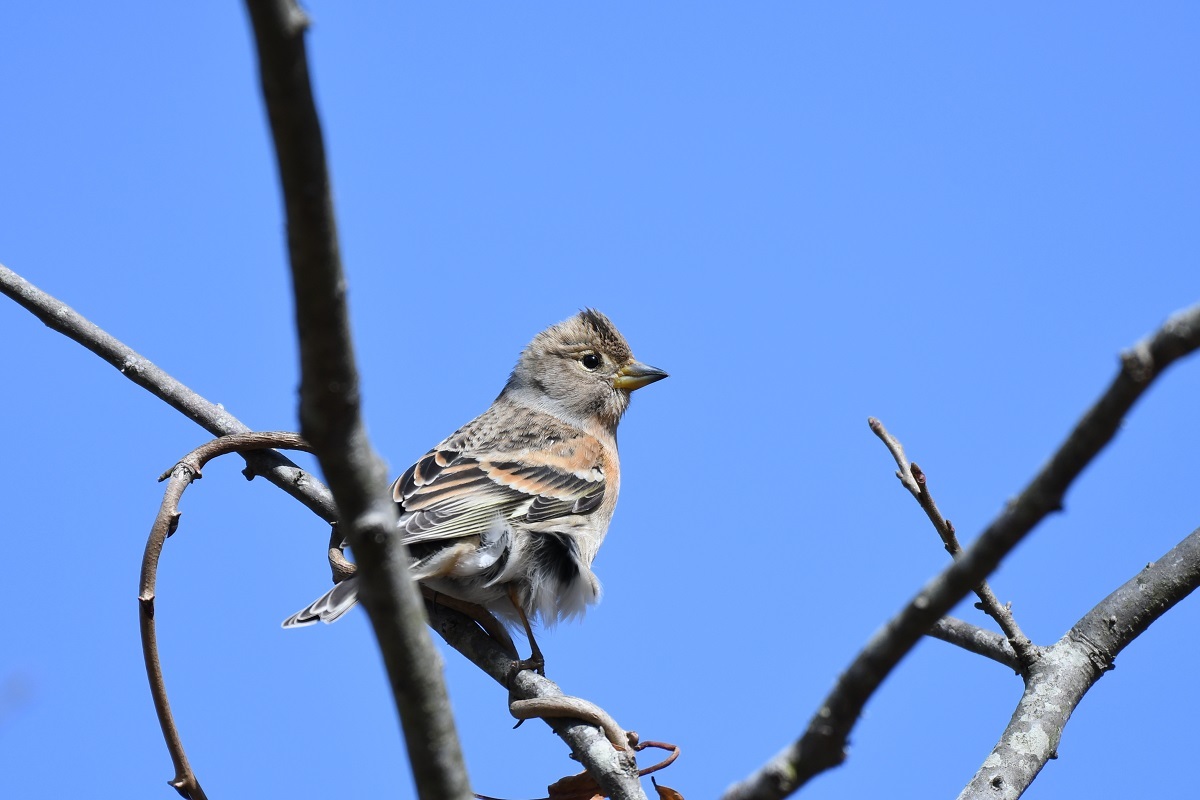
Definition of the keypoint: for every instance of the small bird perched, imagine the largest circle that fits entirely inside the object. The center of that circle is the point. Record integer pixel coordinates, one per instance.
(509, 511)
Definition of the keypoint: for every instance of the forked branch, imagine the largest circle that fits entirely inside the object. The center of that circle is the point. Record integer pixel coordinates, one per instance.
(1072, 665)
(823, 743)
(914, 480)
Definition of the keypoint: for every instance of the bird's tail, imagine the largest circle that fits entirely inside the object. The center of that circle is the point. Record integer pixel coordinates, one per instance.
(331, 605)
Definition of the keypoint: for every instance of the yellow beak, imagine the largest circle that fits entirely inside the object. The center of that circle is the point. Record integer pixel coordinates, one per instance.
(635, 375)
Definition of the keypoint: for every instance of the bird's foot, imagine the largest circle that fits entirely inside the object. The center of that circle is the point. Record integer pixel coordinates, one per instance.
(535, 662)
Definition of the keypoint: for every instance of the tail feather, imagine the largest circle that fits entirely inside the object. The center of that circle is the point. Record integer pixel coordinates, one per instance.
(331, 605)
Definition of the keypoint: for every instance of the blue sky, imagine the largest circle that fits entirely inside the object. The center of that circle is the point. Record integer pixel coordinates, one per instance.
(952, 218)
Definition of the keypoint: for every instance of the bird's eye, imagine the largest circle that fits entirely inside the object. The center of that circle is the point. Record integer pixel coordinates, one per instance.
(590, 361)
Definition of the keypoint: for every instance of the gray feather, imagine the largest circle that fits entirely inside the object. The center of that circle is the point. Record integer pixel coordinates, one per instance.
(328, 607)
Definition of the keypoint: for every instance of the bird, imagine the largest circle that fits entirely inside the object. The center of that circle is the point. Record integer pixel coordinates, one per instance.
(509, 511)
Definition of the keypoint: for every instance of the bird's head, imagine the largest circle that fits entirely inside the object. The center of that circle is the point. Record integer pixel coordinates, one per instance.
(580, 370)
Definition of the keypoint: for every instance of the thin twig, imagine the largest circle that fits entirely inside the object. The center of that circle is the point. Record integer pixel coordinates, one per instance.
(666, 762)
(823, 743)
(913, 479)
(185, 781)
(339, 567)
(976, 640)
(614, 771)
(567, 707)
(182, 474)
(60, 317)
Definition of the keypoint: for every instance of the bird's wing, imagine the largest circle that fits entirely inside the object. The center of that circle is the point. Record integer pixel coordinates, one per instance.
(449, 494)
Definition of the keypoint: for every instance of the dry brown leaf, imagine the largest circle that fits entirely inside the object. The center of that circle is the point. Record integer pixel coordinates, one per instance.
(575, 787)
(666, 792)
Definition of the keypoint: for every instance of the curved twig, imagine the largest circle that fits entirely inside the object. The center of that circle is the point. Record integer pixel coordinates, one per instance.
(340, 567)
(666, 762)
(822, 745)
(185, 781)
(567, 707)
(182, 474)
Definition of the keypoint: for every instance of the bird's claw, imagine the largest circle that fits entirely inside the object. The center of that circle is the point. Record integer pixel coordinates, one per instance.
(534, 662)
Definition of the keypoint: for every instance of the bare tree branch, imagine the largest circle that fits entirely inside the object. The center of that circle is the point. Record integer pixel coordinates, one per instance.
(615, 771)
(1070, 667)
(165, 523)
(330, 414)
(822, 745)
(213, 418)
(914, 480)
(977, 640)
(185, 781)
